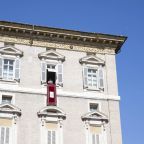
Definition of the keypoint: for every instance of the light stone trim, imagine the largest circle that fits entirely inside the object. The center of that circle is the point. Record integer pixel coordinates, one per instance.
(106, 50)
(60, 92)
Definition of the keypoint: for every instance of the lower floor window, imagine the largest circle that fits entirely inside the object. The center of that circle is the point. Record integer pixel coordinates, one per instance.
(4, 135)
(51, 137)
(95, 139)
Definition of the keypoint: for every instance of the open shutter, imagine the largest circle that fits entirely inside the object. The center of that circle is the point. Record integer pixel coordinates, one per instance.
(1, 67)
(85, 81)
(17, 69)
(43, 72)
(60, 74)
(101, 77)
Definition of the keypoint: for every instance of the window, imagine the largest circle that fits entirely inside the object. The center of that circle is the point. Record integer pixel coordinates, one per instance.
(4, 135)
(52, 72)
(95, 132)
(93, 77)
(93, 106)
(52, 66)
(8, 44)
(9, 69)
(95, 138)
(51, 137)
(6, 99)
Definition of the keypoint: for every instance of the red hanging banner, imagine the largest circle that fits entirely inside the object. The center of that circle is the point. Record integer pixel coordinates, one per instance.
(51, 94)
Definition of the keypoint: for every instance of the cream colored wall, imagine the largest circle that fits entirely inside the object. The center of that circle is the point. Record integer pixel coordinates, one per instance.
(30, 104)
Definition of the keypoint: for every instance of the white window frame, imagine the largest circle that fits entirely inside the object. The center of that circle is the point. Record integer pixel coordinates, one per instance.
(94, 102)
(7, 94)
(14, 58)
(10, 134)
(92, 87)
(95, 67)
(56, 134)
(53, 63)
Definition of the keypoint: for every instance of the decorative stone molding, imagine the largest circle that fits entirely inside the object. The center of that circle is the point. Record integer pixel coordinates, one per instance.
(95, 116)
(52, 111)
(9, 109)
(32, 35)
(51, 54)
(10, 50)
(92, 59)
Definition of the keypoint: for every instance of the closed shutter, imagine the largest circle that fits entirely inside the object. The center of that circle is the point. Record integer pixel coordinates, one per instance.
(7, 136)
(1, 67)
(85, 81)
(17, 69)
(60, 74)
(43, 72)
(49, 137)
(95, 139)
(101, 77)
(53, 137)
(2, 135)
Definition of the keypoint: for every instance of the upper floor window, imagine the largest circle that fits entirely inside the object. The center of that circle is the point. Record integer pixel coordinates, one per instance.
(6, 99)
(93, 75)
(10, 63)
(52, 67)
(93, 107)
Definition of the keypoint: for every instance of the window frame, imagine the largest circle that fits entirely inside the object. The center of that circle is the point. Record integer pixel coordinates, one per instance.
(52, 63)
(14, 58)
(7, 94)
(97, 68)
(10, 134)
(94, 102)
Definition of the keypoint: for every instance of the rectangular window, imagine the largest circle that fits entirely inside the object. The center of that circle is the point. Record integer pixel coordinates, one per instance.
(94, 107)
(52, 72)
(8, 69)
(51, 137)
(95, 138)
(6, 99)
(4, 135)
(92, 77)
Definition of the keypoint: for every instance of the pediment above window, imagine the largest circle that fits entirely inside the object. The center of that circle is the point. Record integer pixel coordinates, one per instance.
(52, 111)
(51, 54)
(11, 50)
(95, 116)
(92, 59)
(10, 109)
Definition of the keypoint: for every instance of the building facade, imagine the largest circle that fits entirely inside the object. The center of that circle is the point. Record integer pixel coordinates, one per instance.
(87, 109)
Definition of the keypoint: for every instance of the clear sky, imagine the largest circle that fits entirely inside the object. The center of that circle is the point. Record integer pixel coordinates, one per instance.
(120, 17)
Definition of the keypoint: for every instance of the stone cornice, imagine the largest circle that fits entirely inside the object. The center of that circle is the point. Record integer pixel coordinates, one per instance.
(40, 36)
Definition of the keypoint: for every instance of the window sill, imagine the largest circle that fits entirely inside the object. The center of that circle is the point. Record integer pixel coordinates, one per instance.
(94, 89)
(57, 85)
(9, 81)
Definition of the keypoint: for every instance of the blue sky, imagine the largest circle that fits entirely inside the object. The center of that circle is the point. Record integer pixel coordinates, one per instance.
(120, 17)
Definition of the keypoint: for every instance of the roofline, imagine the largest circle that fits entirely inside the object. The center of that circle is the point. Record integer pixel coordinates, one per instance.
(58, 32)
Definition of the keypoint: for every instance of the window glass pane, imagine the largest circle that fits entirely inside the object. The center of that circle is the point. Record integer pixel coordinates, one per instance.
(92, 77)
(5, 61)
(8, 69)
(6, 99)
(11, 62)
